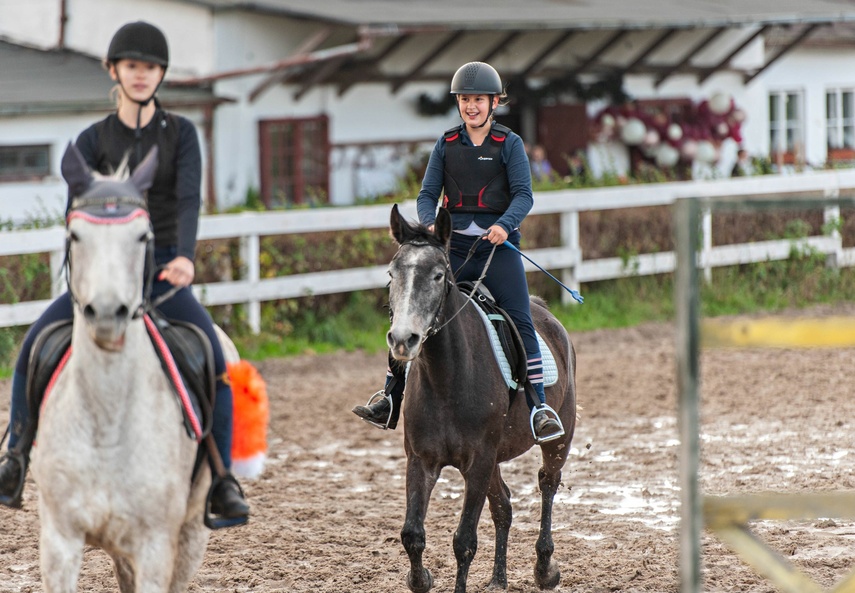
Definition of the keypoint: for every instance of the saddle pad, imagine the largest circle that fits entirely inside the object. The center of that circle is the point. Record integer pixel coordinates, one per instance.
(550, 369)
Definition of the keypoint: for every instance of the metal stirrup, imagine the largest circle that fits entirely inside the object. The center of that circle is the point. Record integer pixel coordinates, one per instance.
(552, 414)
(377, 397)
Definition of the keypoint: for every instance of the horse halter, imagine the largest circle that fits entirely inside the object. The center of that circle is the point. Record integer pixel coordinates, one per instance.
(111, 210)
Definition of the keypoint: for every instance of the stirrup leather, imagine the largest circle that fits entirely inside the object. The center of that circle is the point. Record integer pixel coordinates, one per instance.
(552, 414)
(375, 398)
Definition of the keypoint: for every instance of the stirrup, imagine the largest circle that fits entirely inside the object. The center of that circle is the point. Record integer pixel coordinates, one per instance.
(377, 397)
(215, 521)
(15, 500)
(552, 414)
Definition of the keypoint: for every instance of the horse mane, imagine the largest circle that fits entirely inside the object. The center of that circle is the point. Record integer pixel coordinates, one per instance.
(538, 301)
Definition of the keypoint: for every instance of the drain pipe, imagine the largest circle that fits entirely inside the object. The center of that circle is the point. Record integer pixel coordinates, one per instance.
(63, 18)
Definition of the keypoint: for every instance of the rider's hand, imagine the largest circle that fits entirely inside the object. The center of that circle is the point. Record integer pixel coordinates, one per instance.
(179, 272)
(496, 235)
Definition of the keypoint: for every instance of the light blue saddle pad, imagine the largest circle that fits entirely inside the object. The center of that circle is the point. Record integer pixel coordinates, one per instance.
(550, 369)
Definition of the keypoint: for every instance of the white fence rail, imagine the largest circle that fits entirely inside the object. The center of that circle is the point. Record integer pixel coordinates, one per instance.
(251, 290)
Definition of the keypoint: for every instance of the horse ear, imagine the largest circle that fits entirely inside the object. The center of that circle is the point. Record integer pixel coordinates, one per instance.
(442, 227)
(143, 175)
(397, 225)
(75, 171)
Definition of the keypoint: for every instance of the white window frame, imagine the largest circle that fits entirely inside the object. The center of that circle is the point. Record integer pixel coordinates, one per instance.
(787, 134)
(839, 129)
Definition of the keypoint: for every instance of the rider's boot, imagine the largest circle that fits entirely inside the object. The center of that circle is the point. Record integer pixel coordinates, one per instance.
(226, 496)
(227, 500)
(545, 427)
(13, 465)
(12, 472)
(383, 409)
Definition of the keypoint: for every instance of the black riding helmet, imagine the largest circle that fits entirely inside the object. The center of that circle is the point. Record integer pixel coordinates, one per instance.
(139, 41)
(477, 78)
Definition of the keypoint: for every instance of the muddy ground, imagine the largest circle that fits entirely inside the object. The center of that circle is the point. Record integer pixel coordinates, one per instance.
(329, 507)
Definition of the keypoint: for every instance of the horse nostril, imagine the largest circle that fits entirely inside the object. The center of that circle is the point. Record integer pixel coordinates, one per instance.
(122, 312)
(413, 341)
(89, 312)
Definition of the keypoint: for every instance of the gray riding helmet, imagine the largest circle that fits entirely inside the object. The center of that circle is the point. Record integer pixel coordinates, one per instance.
(476, 78)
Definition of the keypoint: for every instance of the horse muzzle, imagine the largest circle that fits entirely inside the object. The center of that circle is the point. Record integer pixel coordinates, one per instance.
(404, 344)
(107, 325)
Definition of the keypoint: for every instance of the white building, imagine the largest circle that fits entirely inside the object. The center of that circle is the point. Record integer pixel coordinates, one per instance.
(318, 100)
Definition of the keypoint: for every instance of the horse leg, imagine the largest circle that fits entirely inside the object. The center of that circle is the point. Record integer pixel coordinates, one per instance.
(193, 538)
(420, 483)
(60, 557)
(124, 574)
(154, 562)
(546, 572)
(477, 480)
(499, 497)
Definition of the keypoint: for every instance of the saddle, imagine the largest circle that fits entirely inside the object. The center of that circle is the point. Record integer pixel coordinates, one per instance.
(505, 330)
(188, 345)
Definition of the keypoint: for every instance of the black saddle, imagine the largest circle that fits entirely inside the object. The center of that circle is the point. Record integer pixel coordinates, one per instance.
(189, 346)
(509, 335)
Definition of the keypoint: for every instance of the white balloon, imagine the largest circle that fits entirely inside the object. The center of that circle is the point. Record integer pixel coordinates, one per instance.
(651, 138)
(667, 156)
(689, 150)
(720, 103)
(608, 120)
(633, 131)
(706, 152)
(738, 115)
(675, 132)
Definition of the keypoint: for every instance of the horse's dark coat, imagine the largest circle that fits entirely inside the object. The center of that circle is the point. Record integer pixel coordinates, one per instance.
(456, 406)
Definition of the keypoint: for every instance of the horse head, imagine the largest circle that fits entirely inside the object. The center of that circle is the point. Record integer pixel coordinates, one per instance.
(420, 279)
(108, 235)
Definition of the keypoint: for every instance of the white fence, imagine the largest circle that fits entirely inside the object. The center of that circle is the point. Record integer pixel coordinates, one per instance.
(251, 290)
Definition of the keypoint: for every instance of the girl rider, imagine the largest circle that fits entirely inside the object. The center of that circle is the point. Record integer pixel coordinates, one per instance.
(484, 170)
(137, 60)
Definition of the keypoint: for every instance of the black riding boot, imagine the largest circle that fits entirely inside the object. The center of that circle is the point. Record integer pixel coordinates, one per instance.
(227, 500)
(544, 425)
(13, 469)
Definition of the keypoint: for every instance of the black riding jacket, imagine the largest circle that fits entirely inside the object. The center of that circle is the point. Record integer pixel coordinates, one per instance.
(174, 199)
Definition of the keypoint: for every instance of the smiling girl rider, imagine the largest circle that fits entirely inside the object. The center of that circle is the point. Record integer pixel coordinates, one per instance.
(483, 169)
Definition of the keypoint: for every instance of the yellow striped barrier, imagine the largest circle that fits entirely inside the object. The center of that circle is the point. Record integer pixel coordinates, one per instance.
(778, 332)
(728, 517)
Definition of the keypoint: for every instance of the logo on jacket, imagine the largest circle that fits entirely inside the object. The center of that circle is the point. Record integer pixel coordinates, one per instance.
(485, 158)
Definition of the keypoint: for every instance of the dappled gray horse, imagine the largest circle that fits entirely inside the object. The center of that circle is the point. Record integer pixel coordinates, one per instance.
(113, 462)
(457, 409)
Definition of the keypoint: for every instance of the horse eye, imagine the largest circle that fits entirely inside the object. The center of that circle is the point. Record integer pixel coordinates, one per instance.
(73, 237)
(144, 237)
(439, 276)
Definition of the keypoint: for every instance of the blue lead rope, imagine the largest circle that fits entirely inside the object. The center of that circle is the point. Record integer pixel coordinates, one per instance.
(579, 298)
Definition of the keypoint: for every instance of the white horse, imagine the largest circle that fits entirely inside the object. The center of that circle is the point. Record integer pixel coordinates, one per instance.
(113, 462)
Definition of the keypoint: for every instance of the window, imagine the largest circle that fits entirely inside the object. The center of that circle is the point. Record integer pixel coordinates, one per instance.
(22, 163)
(294, 161)
(840, 123)
(786, 127)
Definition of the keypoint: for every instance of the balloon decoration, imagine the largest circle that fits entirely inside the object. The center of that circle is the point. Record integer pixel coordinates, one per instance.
(668, 141)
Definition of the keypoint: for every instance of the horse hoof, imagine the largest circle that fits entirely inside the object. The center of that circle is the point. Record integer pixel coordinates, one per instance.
(549, 577)
(424, 586)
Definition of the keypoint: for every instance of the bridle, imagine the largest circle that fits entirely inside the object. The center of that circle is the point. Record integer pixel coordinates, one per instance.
(450, 283)
(112, 210)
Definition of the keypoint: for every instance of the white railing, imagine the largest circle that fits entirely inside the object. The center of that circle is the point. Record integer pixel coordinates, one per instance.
(251, 290)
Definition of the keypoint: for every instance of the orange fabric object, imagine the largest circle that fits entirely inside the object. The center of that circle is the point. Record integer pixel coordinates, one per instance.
(251, 410)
